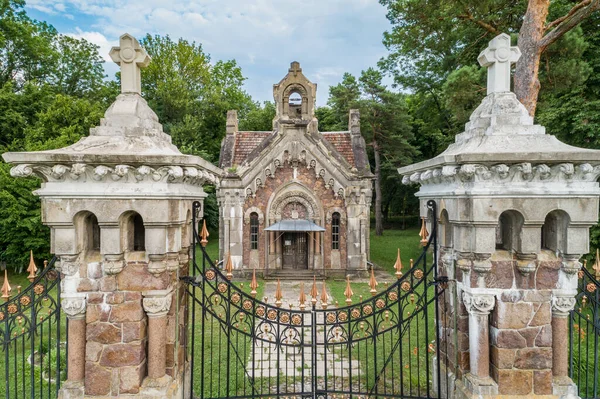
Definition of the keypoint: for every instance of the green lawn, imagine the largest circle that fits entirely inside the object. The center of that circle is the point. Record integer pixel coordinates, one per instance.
(384, 249)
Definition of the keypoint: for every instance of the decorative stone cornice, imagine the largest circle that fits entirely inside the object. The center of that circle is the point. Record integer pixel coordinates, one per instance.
(521, 172)
(81, 172)
(74, 306)
(479, 304)
(157, 303)
(562, 305)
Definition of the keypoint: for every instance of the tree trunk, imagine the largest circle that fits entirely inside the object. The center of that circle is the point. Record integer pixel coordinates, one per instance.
(527, 83)
(378, 214)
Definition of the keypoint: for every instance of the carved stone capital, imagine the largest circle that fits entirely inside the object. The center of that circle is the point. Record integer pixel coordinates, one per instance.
(113, 263)
(562, 305)
(172, 261)
(69, 264)
(571, 264)
(157, 263)
(464, 261)
(74, 306)
(479, 304)
(157, 303)
(526, 263)
(482, 263)
(184, 256)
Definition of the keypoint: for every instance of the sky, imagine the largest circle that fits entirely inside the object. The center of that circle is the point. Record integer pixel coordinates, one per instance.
(327, 37)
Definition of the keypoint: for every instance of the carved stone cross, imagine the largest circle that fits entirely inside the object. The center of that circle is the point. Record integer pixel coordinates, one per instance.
(295, 68)
(497, 58)
(130, 56)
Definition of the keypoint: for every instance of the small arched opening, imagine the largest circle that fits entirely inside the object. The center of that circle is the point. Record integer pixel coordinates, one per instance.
(445, 235)
(133, 232)
(88, 232)
(508, 231)
(554, 231)
(295, 104)
(254, 230)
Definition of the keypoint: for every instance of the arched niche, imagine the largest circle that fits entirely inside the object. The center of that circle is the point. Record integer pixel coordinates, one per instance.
(508, 231)
(133, 232)
(445, 229)
(87, 231)
(554, 231)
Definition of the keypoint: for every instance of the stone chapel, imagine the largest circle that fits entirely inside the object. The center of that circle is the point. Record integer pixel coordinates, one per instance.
(295, 200)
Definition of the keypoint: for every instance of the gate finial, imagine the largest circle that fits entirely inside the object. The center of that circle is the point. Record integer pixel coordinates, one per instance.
(372, 282)
(6, 287)
(398, 265)
(424, 234)
(204, 234)
(324, 296)
(313, 291)
(32, 268)
(253, 284)
(229, 267)
(596, 266)
(278, 294)
(302, 298)
(348, 292)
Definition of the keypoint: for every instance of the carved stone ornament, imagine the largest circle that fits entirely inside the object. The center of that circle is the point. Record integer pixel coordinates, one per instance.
(74, 306)
(69, 264)
(526, 264)
(113, 264)
(562, 305)
(481, 304)
(482, 263)
(80, 172)
(571, 264)
(172, 261)
(157, 305)
(157, 263)
(522, 172)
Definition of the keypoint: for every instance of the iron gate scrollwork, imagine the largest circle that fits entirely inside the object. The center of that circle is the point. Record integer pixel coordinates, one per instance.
(384, 346)
(32, 337)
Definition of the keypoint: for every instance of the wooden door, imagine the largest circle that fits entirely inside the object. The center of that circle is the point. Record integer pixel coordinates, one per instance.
(295, 250)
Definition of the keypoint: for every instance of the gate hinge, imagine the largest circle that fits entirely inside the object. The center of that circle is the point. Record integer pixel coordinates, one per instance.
(441, 280)
(194, 280)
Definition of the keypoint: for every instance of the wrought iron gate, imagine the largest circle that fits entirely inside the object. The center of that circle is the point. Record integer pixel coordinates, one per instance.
(384, 346)
(32, 336)
(584, 326)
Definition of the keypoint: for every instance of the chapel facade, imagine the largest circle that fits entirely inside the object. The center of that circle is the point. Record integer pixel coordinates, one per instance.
(294, 200)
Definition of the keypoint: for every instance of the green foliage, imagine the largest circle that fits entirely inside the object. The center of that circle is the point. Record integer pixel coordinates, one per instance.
(259, 118)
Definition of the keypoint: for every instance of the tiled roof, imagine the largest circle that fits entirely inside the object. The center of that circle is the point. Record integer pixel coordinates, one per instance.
(342, 143)
(245, 143)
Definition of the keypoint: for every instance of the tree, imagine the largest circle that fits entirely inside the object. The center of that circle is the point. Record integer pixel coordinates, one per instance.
(443, 35)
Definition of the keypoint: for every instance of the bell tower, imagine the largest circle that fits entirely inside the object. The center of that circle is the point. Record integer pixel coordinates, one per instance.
(295, 98)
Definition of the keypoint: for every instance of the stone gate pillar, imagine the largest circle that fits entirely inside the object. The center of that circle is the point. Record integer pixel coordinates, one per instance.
(119, 205)
(515, 208)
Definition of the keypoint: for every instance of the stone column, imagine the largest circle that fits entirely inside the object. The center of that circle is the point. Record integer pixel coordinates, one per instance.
(271, 242)
(318, 236)
(561, 308)
(74, 307)
(157, 305)
(479, 307)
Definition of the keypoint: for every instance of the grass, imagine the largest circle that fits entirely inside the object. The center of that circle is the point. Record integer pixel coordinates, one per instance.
(384, 248)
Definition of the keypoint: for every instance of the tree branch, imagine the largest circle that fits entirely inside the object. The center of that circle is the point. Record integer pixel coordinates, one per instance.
(569, 14)
(571, 20)
(469, 17)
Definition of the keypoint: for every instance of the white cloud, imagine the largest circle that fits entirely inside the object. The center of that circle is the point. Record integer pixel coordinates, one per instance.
(327, 37)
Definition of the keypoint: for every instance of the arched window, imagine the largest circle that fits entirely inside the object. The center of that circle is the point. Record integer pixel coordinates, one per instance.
(254, 230)
(93, 232)
(445, 235)
(335, 231)
(554, 231)
(295, 104)
(508, 231)
(88, 231)
(133, 232)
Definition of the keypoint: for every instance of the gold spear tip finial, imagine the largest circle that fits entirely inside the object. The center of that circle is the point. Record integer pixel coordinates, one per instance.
(204, 234)
(398, 265)
(596, 266)
(32, 268)
(278, 294)
(229, 267)
(348, 291)
(412, 263)
(324, 296)
(313, 291)
(372, 282)
(6, 287)
(253, 284)
(302, 298)
(424, 234)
